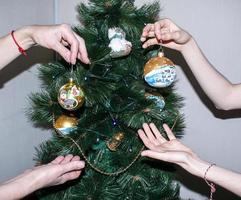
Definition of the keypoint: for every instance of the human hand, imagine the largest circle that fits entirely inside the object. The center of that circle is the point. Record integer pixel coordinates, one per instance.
(59, 171)
(166, 33)
(169, 150)
(58, 37)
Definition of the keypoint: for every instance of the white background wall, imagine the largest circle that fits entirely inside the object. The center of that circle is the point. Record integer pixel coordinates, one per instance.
(18, 137)
(213, 134)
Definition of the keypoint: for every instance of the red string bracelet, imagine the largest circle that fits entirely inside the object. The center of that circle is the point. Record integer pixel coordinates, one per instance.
(211, 185)
(20, 49)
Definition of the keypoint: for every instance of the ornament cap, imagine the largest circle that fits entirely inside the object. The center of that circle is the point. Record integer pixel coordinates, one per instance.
(161, 54)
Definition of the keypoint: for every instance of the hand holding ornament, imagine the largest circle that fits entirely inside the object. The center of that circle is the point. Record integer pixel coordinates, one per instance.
(167, 33)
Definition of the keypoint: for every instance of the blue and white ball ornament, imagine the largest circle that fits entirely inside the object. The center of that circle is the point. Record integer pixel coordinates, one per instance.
(157, 98)
(160, 71)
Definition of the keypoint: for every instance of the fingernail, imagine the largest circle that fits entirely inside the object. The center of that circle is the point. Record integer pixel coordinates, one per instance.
(142, 153)
(143, 39)
(82, 164)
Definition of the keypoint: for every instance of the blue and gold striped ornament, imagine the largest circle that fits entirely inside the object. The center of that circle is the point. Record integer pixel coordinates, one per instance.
(160, 72)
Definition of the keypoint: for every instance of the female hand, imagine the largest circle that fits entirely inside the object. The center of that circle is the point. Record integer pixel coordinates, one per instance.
(59, 171)
(58, 38)
(169, 150)
(167, 33)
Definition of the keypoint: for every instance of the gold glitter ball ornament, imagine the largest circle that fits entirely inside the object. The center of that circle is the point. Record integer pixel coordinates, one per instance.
(159, 71)
(71, 97)
(65, 123)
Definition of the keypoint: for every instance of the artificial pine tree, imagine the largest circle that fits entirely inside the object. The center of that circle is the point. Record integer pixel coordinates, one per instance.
(104, 130)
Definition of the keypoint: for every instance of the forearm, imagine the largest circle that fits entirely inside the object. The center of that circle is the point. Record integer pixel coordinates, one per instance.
(216, 86)
(222, 177)
(8, 49)
(18, 187)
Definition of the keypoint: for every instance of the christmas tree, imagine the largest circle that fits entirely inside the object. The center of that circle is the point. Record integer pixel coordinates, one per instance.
(112, 102)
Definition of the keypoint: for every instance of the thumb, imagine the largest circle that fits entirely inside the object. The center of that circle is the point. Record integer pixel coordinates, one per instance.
(72, 166)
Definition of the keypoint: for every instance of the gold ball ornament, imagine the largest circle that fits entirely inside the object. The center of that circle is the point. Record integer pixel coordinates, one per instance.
(114, 142)
(71, 97)
(159, 71)
(65, 123)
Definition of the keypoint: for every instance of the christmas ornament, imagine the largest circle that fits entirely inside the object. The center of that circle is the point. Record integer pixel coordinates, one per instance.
(157, 98)
(71, 97)
(118, 44)
(159, 71)
(115, 141)
(65, 124)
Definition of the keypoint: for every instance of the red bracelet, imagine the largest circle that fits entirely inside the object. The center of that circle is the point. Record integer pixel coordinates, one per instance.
(211, 185)
(20, 49)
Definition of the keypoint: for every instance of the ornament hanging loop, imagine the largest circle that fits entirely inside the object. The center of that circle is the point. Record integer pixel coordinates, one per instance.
(71, 70)
(160, 51)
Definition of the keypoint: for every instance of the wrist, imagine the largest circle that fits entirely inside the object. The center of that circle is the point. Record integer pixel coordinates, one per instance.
(24, 37)
(188, 47)
(197, 166)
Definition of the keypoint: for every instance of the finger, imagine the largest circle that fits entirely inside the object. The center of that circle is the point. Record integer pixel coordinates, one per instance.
(163, 32)
(146, 30)
(82, 51)
(157, 28)
(145, 140)
(74, 46)
(150, 42)
(157, 133)
(149, 134)
(67, 159)
(72, 166)
(64, 42)
(75, 158)
(70, 176)
(169, 132)
(58, 160)
(62, 50)
(69, 37)
(74, 50)
(151, 34)
(164, 24)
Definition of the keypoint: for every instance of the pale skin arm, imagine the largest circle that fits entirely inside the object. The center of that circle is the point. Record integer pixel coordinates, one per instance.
(56, 37)
(224, 94)
(57, 172)
(173, 151)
